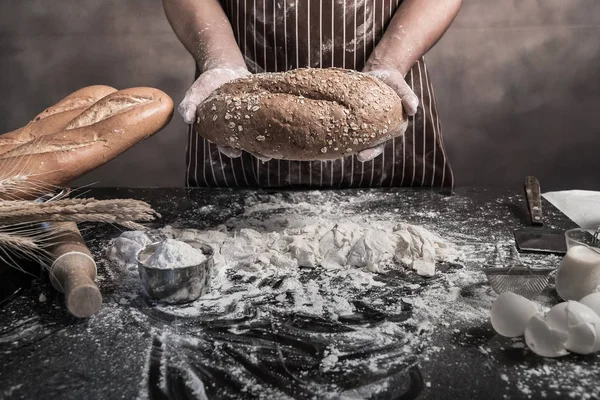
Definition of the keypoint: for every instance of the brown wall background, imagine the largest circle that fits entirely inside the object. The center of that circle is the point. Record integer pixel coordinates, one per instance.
(517, 82)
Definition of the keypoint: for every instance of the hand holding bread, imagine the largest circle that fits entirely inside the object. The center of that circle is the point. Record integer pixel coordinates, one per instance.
(78, 134)
(207, 83)
(394, 79)
(302, 114)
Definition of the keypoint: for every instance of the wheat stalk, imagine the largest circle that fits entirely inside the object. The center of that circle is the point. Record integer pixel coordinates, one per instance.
(17, 242)
(28, 244)
(21, 236)
(118, 211)
(18, 181)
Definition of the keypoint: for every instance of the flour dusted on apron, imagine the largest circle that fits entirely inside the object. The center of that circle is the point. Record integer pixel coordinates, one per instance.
(280, 35)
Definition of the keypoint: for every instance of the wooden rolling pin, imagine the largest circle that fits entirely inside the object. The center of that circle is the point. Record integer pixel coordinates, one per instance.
(74, 270)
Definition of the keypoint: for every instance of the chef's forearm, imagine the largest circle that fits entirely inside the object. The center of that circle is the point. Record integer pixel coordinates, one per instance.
(204, 30)
(415, 28)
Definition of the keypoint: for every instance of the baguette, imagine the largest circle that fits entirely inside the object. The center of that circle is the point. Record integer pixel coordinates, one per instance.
(94, 137)
(303, 114)
(55, 118)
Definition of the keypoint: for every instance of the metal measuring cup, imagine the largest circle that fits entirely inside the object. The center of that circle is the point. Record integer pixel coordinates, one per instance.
(176, 285)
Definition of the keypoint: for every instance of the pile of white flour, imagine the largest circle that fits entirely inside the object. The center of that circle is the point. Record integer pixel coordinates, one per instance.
(171, 254)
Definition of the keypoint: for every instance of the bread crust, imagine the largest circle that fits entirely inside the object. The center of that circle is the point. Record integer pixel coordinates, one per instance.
(84, 97)
(35, 129)
(55, 118)
(303, 114)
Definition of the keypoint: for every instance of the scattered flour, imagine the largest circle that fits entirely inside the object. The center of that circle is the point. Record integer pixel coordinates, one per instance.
(174, 254)
(447, 313)
(327, 244)
(565, 376)
(321, 256)
(263, 256)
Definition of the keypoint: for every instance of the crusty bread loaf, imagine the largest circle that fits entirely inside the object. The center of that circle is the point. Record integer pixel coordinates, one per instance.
(303, 114)
(55, 118)
(95, 136)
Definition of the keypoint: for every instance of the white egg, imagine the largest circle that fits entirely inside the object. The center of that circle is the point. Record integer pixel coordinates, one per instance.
(510, 313)
(582, 339)
(592, 301)
(557, 317)
(579, 313)
(579, 322)
(543, 340)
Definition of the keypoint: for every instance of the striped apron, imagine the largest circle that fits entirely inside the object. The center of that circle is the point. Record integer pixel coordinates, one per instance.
(279, 35)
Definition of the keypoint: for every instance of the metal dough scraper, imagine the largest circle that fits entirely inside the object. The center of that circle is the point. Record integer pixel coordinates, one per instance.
(515, 277)
(537, 238)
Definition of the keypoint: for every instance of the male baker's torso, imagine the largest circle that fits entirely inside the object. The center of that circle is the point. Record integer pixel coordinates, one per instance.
(280, 35)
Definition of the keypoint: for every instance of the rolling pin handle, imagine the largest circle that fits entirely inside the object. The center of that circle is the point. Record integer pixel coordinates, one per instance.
(73, 274)
(74, 270)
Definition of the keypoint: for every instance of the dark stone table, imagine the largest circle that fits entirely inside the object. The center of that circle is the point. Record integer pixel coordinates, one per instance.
(132, 349)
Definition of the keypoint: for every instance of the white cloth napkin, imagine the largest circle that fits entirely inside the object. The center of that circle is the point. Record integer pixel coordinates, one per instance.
(581, 206)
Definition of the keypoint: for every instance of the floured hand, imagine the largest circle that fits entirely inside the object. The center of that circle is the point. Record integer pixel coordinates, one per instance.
(394, 79)
(410, 103)
(206, 83)
(200, 90)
